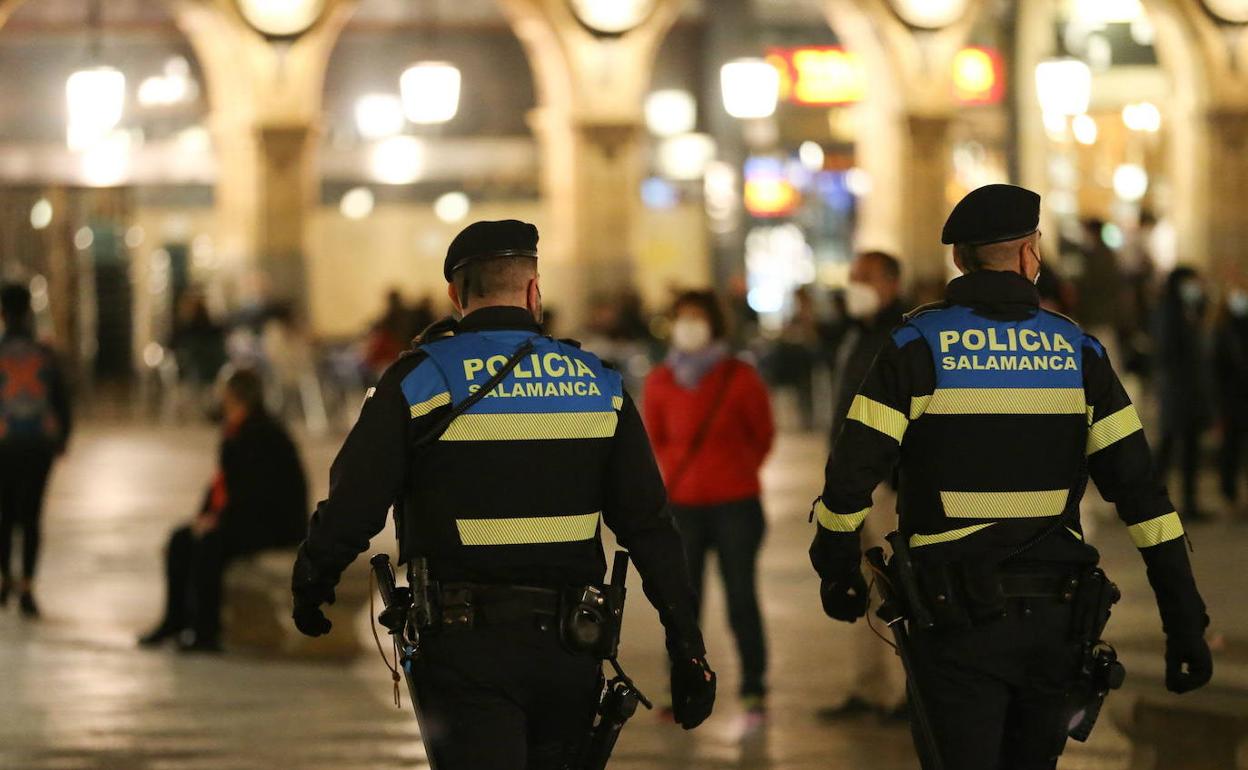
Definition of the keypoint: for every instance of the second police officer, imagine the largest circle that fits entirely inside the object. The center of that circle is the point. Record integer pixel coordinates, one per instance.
(995, 412)
(505, 504)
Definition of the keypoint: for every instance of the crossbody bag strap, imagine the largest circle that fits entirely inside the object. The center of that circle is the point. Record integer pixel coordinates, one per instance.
(485, 390)
(704, 429)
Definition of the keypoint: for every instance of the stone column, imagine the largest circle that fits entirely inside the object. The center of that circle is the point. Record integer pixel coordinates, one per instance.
(265, 99)
(1226, 227)
(590, 127)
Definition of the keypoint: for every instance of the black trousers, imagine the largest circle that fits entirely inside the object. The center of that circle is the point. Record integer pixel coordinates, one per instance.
(996, 694)
(23, 481)
(194, 567)
(505, 697)
(734, 531)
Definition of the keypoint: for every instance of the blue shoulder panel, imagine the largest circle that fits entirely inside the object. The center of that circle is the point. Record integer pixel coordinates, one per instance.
(905, 334)
(554, 378)
(973, 351)
(423, 383)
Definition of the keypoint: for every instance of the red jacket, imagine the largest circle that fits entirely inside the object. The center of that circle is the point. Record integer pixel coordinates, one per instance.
(726, 465)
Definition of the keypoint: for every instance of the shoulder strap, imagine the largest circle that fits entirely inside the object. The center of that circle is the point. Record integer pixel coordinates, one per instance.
(525, 349)
(704, 428)
(921, 309)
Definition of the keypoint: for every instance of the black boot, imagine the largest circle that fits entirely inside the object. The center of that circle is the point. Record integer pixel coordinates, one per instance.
(27, 605)
(158, 636)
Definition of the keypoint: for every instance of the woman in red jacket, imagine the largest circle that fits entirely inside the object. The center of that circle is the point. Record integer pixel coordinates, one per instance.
(709, 418)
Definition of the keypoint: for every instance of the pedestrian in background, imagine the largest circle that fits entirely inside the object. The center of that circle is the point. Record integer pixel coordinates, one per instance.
(34, 429)
(709, 419)
(873, 304)
(258, 500)
(1183, 381)
(1231, 367)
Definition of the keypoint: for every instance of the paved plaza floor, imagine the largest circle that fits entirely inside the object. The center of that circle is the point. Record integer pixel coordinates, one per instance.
(77, 695)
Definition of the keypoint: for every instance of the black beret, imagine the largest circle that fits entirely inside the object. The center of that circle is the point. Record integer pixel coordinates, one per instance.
(992, 214)
(489, 240)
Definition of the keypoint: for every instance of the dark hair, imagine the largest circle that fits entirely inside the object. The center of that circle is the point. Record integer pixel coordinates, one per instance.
(246, 386)
(487, 277)
(891, 265)
(14, 302)
(708, 303)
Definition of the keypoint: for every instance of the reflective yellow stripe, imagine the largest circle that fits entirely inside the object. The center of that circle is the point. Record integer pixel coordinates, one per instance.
(917, 541)
(918, 405)
(839, 522)
(428, 405)
(1156, 531)
(1073, 532)
(528, 531)
(1115, 427)
(881, 417)
(1004, 505)
(531, 427)
(617, 403)
(1007, 401)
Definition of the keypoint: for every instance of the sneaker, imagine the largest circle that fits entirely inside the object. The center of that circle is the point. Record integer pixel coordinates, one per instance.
(854, 707)
(755, 716)
(26, 603)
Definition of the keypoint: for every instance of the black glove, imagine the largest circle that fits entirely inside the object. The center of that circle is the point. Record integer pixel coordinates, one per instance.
(1188, 650)
(310, 620)
(845, 599)
(693, 691)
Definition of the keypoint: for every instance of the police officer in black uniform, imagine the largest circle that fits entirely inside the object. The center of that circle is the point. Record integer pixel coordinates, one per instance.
(995, 412)
(505, 504)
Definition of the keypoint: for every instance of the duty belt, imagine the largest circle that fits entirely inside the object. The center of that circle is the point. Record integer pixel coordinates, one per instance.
(467, 605)
(1039, 585)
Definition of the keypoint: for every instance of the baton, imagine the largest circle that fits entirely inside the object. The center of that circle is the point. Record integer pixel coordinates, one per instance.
(890, 612)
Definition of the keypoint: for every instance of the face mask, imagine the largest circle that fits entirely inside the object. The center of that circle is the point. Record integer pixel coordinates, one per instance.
(861, 300)
(1190, 292)
(1237, 303)
(690, 334)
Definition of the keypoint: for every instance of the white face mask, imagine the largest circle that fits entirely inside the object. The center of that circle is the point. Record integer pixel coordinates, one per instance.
(1191, 292)
(861, 300)
(1237, 303)
(690, 335)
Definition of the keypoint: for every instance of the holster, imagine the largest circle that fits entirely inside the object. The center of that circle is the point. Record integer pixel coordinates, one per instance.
(1099, 669)
(592, 617)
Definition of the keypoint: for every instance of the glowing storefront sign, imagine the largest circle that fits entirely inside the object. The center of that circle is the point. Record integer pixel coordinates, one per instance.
(768, 191)
(826, 76)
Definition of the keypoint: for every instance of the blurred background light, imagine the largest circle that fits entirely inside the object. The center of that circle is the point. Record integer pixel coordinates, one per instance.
(1130, 182)
(811, 155)
(96, 99)
(357, 203)
(378, 116)
(1084, 128)
(1142, 116)
(1063, 86)
(430, 92)
(41, 214)
(750, 88)
(106, 163)
(685, 157)
(452, 207)
(670, 112)
(397, 160)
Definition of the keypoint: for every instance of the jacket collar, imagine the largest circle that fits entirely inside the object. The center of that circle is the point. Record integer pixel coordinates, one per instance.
(498, 317)
(992, 287)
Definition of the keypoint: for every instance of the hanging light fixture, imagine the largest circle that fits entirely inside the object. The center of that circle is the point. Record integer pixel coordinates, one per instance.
(1063, 86)
(95, 96)
(750, 88)
(430, 91)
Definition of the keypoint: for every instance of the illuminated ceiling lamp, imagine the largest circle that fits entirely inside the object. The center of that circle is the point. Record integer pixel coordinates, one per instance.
(1063, 86)
(430, 91)
(671, 112)
(95, 96)
(750, 88)
(378, 115)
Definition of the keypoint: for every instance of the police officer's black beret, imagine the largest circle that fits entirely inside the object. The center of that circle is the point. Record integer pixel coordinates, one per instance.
(992, 214)
(489, 240)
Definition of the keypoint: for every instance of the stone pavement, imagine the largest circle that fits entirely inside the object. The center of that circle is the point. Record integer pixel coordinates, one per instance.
(78, 696)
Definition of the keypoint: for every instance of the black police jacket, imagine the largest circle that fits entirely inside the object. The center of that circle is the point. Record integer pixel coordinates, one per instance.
(514, 491)
(995, 412)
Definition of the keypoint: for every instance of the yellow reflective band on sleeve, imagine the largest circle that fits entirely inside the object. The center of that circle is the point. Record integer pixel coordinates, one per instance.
(1156, 531)
(1075, 533)
(617, 403)
(839, 522)
(528, 531)
(1007, 401)
(546, 426)
(917, 541)
(881, 417)
(1004, 505)
(1108, 430)
(918, 405)
(428, 405)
